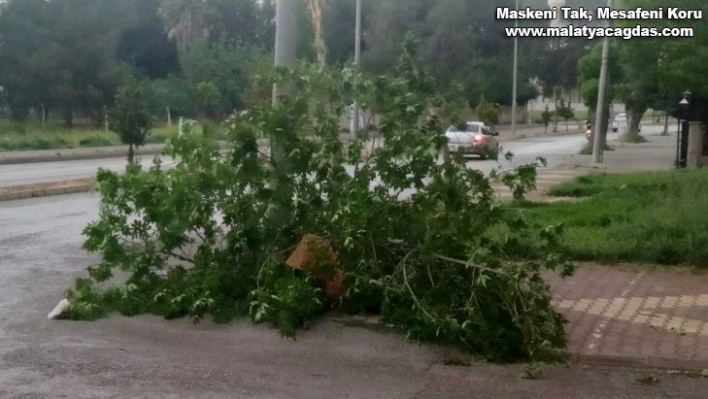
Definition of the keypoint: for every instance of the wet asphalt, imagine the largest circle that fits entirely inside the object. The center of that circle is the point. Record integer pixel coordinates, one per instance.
(147, 357)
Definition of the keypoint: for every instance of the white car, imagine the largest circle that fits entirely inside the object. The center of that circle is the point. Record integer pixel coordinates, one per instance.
(620, 123)
(476, 138)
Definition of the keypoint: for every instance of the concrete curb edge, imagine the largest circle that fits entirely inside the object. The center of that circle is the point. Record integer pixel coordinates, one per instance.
(636, 362)
(46, 189)
(59, 157)
(650, 362)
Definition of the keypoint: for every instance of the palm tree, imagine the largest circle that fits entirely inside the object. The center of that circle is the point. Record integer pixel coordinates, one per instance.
(185, 20)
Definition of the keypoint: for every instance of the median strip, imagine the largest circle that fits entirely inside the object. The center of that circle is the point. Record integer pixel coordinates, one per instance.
(46, 189)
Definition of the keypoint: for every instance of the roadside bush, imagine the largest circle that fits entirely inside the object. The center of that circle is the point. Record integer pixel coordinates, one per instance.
(32, 143)
(155, 139)
(210, 237)
(95, 142)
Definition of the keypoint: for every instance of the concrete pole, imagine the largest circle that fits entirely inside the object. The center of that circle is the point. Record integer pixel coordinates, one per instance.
(516, 71)
(600, 112)
(354, 127)
(285, 56)
(285, 39)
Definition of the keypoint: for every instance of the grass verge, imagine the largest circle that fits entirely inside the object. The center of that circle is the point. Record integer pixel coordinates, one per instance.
(658, 218)
(52, 136)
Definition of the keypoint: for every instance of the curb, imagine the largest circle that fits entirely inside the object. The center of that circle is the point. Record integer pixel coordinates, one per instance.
(636, 362)
(538, 135)
(650, 362)
(57, 156)
(79, 154)
(46, 189)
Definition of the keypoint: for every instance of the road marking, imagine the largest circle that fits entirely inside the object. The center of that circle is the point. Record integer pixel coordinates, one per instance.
(642, 310)
(612, 309)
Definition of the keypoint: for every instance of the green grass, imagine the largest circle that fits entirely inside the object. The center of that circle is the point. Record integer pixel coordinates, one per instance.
(657, 218)
(33, 136)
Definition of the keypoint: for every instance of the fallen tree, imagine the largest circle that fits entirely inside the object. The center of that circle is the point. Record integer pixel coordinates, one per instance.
(447, 264)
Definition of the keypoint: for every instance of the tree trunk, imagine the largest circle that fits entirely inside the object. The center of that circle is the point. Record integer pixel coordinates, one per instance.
(68, 115)
(666, 125)
(131, 154)
(555, 114)
(603, 130)
(320, 45)
(634, 120)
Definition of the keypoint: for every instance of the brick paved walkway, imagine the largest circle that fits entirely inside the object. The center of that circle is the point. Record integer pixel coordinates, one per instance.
(635, 317)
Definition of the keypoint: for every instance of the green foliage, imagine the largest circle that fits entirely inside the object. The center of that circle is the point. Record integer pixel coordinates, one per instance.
(61, 54)
(546, 117)
(670, 66)
(209, 98)
(52, 135)
(487, 112)
(129, 118)
(644, 217)
(200, 238)
(565, 111)
(173, 93)
(229, 67)
(589, 76)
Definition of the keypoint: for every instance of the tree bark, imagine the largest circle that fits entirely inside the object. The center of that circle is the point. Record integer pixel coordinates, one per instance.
(68, 115)
(633, 122)
(603, 130)
(131, 154)
(320, 46)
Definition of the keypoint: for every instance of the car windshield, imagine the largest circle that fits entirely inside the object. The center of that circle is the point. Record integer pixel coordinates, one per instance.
(473, 128)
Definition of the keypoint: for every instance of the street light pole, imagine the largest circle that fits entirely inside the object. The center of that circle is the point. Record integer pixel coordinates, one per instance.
(597, 150)
(516, 70)
(357, 55)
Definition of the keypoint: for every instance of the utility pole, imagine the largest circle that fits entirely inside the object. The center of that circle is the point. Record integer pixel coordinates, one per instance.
(285, 56)
(354, 127)
(285, 39)
(597, 150)
(516, 70)
(285, 51)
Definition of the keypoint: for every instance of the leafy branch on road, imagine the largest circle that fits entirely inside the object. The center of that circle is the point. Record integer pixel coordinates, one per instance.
(198, 240)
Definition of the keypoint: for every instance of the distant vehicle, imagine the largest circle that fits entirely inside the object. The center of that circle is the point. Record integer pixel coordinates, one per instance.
(620, 123)
(473, 138)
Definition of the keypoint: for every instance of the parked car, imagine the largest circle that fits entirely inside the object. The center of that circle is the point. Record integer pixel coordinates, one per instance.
(620, 123)
(474, 138)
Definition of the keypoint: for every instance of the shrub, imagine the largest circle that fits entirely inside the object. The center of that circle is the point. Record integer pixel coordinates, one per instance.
(95, 142)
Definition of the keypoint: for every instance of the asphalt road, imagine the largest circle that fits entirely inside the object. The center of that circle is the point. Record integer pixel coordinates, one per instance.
(555, 148)
(146, 357)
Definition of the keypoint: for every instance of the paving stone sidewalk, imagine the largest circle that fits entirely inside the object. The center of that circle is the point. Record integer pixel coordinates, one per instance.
(632, 316)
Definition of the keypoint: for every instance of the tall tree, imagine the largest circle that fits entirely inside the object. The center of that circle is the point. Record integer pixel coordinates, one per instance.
(589, 75)
(62, 53)
(678, 63)
(25, 28)
(146, 45)
(129, 118)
